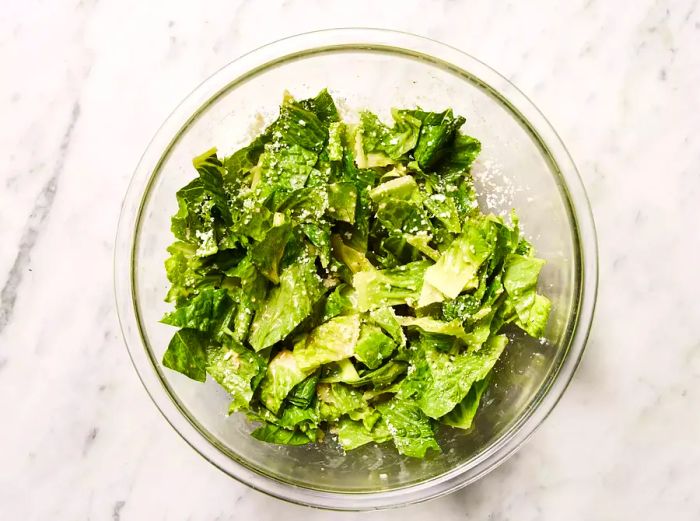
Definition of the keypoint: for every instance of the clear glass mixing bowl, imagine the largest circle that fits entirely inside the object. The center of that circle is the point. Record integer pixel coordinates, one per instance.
(523, 165)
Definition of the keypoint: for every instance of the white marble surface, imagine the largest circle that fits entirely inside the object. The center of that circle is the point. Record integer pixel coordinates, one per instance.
(86, 84)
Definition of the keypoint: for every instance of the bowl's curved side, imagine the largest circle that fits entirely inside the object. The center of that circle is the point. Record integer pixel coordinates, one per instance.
(244, 67)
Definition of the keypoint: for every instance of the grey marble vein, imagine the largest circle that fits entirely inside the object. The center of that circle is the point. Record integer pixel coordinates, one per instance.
(39, 213)
(116, 510)
(90, 439)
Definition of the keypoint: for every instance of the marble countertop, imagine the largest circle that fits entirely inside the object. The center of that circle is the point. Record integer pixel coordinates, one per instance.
(86, 84)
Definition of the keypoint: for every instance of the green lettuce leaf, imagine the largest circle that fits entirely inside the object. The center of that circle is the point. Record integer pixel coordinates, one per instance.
(305, 205)
(380, 145)
(303, 394)
(236, 369)
(461, 307)
(401, 217)
(186, 354)
(352, 258)
(458, 158)
(402, 188)
(319, 235)
(210, 310)
(421, 242)
(187, 273)
(520, 281)
(195, 219)
(329, 342)
(399, 207)
(323, 107)
(393, 250)
(439, 381)
(287, 305)
(283, 374)
(239, 165)
(342, 201)
(336, 131)
(373, 347)
(445, 210)
(381, 377)
(436, 135)
(203, 209)
(305, 419)
(430, 325)
(250, 297)
(337, 400)
(341, 371)
(267, 254)
(462, 416)
(280, 436)
(380, 288)
(285, 169)
(211, 175)
(386, 319)
(412, 431)
(457, 268)
(538, 316)
(300, 127)
(340, 302)
(353, 434)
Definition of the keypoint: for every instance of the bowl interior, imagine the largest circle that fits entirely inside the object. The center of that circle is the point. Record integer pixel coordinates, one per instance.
(513, 171)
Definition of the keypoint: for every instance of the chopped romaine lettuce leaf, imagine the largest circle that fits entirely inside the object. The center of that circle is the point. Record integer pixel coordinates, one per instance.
(237, 370)
(323, 106)
(464, 412)
(340, 302)
(430, 325)
(342, 201)
(457, 268)
(412, 431)
(436, 134)
(337, 399)
(280, 436)
(187, 354)
(440, 380)
(283, 374)
(336, 130)
(287, 305)
(353, 259)
(393, 287)
(299, 127)
(210, 310)
(353, 434)
(386, 319)
(319, 235)
(381, 377)
(520, 282)
(380, 145)
(266, 254)
(341, 371)
(330, 342)
(402, 188)
(303, 394)
(373, 346)
(536, 321)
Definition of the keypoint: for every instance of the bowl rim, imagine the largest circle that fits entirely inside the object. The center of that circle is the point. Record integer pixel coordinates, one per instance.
(369, 39)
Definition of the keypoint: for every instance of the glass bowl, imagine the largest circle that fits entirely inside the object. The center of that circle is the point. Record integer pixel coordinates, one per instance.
(523, 165)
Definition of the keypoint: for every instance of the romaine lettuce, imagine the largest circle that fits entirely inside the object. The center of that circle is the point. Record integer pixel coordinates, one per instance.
(393, 287)
(340, 282)
(287, 305)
